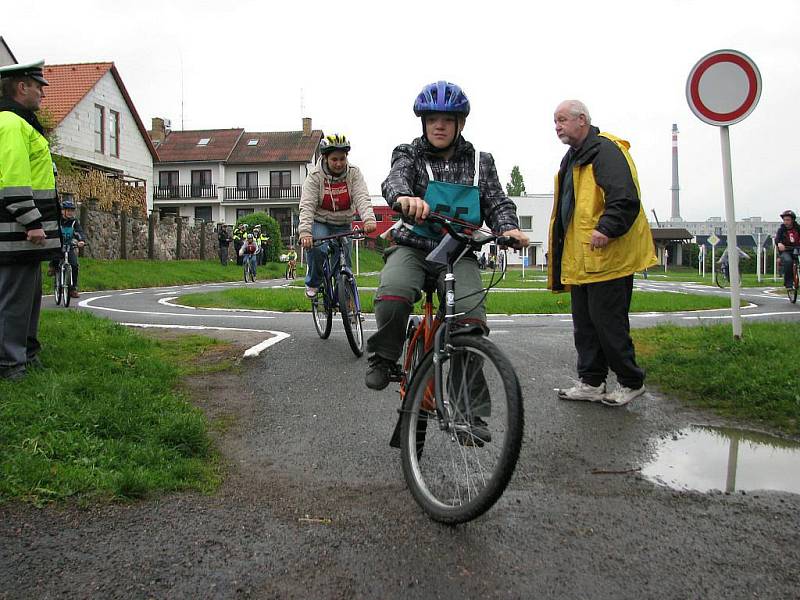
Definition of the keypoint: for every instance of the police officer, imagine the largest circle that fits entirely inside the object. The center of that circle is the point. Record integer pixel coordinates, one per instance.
(262, 239)
(29, 216)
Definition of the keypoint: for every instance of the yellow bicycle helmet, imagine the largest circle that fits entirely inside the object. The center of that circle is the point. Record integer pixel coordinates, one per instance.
(335, 141)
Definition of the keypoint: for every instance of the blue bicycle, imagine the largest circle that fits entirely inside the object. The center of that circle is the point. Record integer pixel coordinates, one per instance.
(338, 291)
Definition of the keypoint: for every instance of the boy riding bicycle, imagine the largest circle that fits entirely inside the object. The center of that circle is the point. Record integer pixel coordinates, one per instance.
(332, 193)
(787, 239)
(70, 230)
(435, 172)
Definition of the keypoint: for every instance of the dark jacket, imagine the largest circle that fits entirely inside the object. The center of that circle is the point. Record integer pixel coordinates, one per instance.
(408, 177)
(782, 237)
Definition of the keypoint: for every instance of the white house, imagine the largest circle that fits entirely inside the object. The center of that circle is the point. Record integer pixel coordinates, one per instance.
(6, 56)
(97, 125)
(223, 174)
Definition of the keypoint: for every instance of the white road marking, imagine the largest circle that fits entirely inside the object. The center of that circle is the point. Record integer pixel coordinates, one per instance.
(167, 302)
(252, 352)
(86, 304)
(772, 314)
(130, 293)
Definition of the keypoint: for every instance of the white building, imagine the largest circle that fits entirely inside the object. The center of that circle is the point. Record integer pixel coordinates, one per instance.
(223, 174)
(6, 56)
(97, 126)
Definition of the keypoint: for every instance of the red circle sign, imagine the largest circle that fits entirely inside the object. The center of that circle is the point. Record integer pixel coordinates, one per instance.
(723, 87)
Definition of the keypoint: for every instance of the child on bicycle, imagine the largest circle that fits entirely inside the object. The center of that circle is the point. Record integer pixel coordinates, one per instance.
(70, 230)
(332, 193)
(787, 239)
(249, 251)
(291, 263)
(437, 171)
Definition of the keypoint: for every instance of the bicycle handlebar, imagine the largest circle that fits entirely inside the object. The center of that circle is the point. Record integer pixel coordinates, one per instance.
(356, 234)
(477, 236)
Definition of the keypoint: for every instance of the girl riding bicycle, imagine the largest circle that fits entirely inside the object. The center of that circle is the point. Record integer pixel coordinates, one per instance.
(332, 193)
(439, 171)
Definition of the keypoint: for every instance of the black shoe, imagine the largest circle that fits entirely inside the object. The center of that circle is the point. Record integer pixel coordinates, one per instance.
(380, 372)
(12, 373)
(478, 433)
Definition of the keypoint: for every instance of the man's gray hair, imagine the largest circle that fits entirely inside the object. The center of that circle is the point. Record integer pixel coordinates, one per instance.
(578, 108)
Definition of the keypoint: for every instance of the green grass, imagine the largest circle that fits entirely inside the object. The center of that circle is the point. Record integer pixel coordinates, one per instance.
(126, 274)
(687, 274)
(754, 378)
(294, 300)
(104, 417)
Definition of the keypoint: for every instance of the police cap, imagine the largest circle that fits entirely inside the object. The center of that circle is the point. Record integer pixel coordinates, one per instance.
(34, 70)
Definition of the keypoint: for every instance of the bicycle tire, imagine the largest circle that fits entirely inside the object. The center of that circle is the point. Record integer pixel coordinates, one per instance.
(57, 285)
(245, 268)
(351, 316)
(721, 280)
(67, 284)
(796, 279)
(322, 315)
(252, 274)
(425, 472)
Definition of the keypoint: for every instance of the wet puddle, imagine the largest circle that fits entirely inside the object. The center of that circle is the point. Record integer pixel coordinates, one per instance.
(715, 458)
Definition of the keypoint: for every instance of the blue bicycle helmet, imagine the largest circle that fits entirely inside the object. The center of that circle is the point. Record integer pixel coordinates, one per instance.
(441, 96)
(67, 204)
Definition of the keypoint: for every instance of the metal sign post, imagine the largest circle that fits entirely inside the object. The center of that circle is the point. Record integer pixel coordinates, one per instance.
(758, 258)
(722, 89)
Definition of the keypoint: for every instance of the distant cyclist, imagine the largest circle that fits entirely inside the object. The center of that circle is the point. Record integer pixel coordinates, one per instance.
(291, 263)
(249, 251)
(332, 193)
(787, 239)
(70, 230)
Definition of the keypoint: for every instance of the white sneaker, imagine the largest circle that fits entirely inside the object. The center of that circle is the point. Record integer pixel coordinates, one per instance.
(621, 396)
(311, 291)
(584, 392)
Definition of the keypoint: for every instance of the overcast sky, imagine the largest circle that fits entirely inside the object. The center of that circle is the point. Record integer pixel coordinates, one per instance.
(361, 64)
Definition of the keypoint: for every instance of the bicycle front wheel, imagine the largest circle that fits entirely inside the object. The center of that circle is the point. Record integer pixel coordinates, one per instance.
(322, 313)
(457, 466)
(58, 285)
(245, 270)
(721, 280)
(351, 314)
(66, 279)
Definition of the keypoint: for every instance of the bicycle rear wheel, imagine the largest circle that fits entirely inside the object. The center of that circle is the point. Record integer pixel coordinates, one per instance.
(458, 473)
(793, 293)
(66, 278)
(351, 314)
(322, 313)
(252, 274)
(721, 280)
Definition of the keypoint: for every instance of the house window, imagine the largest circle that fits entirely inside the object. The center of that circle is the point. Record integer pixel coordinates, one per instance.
(168, 184)
(525, 223)
(168, 211)
(243, 212)
(279, 181)
(203, 141)
(99, 128)
(113, 133)
(247, 180)
(252, 142)
(202, 213)
(201, 184)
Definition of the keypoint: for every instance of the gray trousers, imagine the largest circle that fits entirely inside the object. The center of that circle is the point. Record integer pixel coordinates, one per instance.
(402, 280)
(20, 302)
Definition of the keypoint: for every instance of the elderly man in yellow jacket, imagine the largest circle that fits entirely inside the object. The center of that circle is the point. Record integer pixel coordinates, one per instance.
(29, 215)
(599, 237)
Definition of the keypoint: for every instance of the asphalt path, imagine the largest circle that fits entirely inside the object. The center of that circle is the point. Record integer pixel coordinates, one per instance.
(319, 507)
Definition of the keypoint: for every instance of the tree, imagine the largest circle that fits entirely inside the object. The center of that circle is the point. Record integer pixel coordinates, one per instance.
(272, 229)
(517, 186)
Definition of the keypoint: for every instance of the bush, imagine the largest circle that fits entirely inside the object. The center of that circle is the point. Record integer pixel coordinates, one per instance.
(273, 230)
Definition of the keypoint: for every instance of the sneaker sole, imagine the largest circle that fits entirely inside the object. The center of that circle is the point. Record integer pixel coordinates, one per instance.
(593, 399)
(628, 401)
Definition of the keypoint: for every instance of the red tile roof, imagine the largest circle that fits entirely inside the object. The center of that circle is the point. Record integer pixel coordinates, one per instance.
(284, 146)
(69, 84)
(182, 145)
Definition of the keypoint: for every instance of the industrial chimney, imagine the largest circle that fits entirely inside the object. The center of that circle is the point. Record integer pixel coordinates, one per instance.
(676, 204)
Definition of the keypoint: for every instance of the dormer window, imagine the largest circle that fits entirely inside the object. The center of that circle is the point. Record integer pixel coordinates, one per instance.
(252, 142)
(203, 141)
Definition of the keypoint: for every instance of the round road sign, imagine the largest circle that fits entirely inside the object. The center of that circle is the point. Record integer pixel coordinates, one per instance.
(723, 87)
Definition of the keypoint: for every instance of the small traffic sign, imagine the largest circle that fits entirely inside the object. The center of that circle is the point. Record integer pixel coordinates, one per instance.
(723, 87)
(713, 239)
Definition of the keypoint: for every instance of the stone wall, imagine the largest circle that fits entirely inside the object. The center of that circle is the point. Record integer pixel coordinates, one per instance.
(117, 234)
